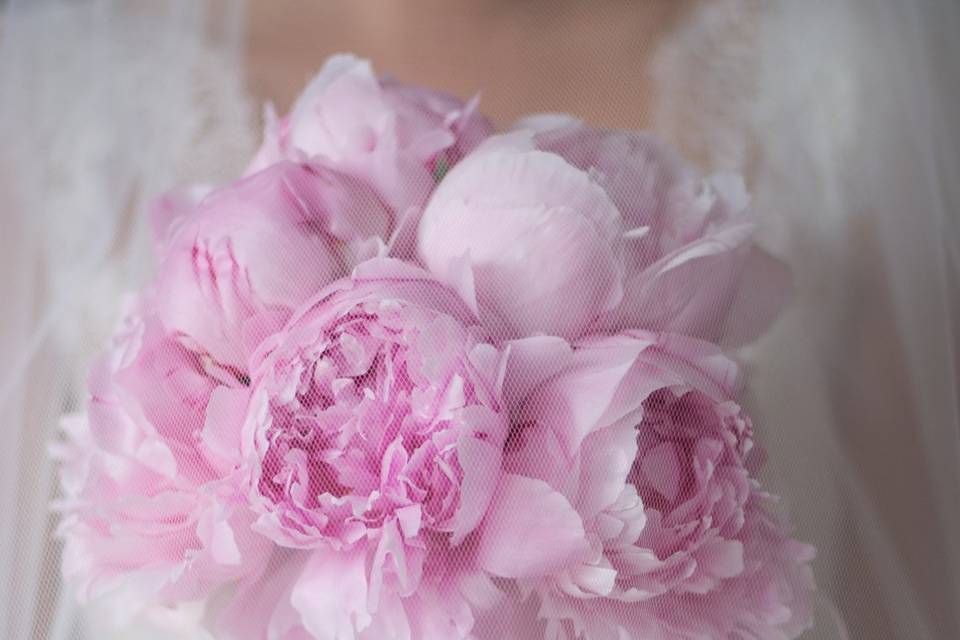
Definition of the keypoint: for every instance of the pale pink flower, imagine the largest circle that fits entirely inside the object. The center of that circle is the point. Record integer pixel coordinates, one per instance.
(236, 263)
(641, 437)
(565, 230)
(690, 263)
(147, 514)
(363, 406)
(396, 137)
(323, 442)
(535, 235)
(374, 439)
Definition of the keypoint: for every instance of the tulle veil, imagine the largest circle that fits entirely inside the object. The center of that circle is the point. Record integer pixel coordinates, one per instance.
(852, 155)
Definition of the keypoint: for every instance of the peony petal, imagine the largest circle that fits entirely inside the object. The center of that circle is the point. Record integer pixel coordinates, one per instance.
(530, 530)
(530, 361)
(169, 210)
(217, 534)
(479, 451)
(591, 580)
(605, 460)
(538, 233)
(573, 404)
(661, 467)
(224, 419)
(395, 564)
(765, 287)
(409, 519)
(722, 558)
(331, 595)
(260, 606)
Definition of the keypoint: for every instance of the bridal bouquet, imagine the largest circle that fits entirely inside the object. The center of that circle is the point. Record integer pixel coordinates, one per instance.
(409, 378)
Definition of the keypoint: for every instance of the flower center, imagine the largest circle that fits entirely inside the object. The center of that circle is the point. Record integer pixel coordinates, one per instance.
(668, 439)
(368, 426)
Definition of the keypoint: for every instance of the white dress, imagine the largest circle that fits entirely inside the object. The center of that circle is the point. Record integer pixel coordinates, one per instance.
(849, 155)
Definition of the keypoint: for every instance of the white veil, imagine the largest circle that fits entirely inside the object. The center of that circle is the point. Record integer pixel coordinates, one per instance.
(846, 136)
(104, 105)
(860, 157)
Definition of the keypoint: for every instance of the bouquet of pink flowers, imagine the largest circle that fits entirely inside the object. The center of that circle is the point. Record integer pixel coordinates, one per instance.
(412, 379)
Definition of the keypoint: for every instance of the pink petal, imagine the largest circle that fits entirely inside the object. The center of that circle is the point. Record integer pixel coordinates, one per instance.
(766, 285)
(217, 534)
(538, 234)
(573, 404)
(169, 209)
(530, 361)
(605, 460)
(722, 559)
(530, 530)
(331, 595)
(661, 466)
(480, 458)
(226, 411)
(409, 519)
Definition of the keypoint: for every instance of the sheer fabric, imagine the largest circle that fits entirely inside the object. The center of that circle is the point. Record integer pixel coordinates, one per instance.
(838, 114)
(105, 105)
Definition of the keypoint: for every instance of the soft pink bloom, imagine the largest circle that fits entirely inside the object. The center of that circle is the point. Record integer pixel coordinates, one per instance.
(690, 263)
(324, 442)
(535, 235)
(642, 439)
(147, 515)
(394, 136)
(364, 406)
(374, 438)
(564, 229)
(237, 262)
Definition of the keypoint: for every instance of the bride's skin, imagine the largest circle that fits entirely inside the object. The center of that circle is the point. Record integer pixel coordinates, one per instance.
(587, 58)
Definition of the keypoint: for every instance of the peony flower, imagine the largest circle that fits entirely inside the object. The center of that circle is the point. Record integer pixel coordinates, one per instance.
(237, 263)
(292, 436)
(565, 230)
(373, 439)
(642, 439)
(535, 234)
(394, 136)
(148, 516)
(690, 264)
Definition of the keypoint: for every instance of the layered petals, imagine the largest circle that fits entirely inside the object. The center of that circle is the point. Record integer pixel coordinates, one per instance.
(395, 136)
(687, 240)
(373, 440)
(236, 266)
(661, 470)
(147, 518)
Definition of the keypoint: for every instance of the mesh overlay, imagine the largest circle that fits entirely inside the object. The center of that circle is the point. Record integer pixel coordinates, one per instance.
(655, 340)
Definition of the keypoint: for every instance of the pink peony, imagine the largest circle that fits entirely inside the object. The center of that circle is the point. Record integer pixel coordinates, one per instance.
(566, 229)
(536, 234)
(642, 439)
(374, 439)
(147, 515)
(394, 136)
(236, 264)
(312, 440)
(690, 264)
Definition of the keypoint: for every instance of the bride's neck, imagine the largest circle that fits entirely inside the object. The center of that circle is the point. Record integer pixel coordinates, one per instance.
(529, 55)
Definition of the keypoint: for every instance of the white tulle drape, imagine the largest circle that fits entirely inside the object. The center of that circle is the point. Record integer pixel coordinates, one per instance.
(838, 112)
(104, 105)
(858, 162)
